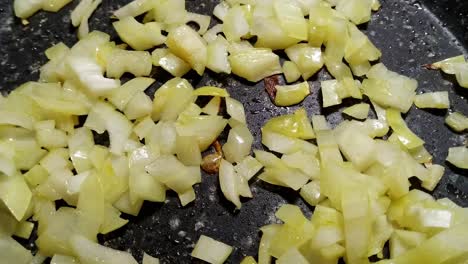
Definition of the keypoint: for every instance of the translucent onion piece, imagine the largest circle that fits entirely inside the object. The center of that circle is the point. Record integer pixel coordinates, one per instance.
(236, 110)
(134, 8)
(449, 65)
(93, 253)
(120, 61)
(255, 64)
(229, 182)
(458, 156)
(404, 134)
(89, 74)
(291, 71)
(235, 24)
(147, 259)
(287, 95)
(439, 100)
(218, 56)
(291, 19)
(457, 121)
(238, 144)
(186, 44)
(210, 250)
(15, 195)
(358, 111)
(308, 59)
(13, 252)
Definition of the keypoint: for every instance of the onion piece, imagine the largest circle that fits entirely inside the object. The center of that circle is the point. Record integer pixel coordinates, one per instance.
(303, 161)
(89, 73)
(220, 11)
(187, 44)
(171, 99)
(248, 260)
(62, 259)
(134, 8)
(291, 19)
(211, 91)
(238, 144)
(248, 167)
(93, 253)
(296, 125)
(436, 172)
(358, 111)
(229, 182)
(448, 65)
(172, 13)
(213, 106)
(404, 134)
(202, 21)
(13, 252)
(287, 95)
(15, 195)
(458, 156)
(123, 94)
(330, 95)
(311, 193)
(236, 110)
(235, 24)
(218, 56)
(147, 259)
(173, 64)
(140, 105)
(118, 127)
(255, 64)
(309, 60)
(291, 71)
(457, 121)
(26, 8)
(389, 89)
(266, 26)
(357, 11)
(439, 100)
(211, 251)
(205, 128)
(120, 61)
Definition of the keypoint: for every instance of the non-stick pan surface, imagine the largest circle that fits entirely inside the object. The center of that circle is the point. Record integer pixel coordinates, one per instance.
(410, 33)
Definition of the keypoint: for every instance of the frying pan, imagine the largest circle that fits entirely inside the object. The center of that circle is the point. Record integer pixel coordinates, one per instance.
(410, 33)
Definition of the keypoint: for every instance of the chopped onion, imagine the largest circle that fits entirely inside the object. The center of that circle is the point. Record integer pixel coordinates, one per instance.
(89, 74)
(211, 251)
(438, 100)
(458, 156)
(291, 19)
(120, 61)
(147, 259)
(238, 144)
(389, 89)
(255, 64)
(211, 91)
(185, 43)
(457, 121)
(287, 95)
(218, 56)
(93, 253)
(404, 134)
(235, 24)
(291, 71)
(236, 110)
(358, 111)
(308, 59)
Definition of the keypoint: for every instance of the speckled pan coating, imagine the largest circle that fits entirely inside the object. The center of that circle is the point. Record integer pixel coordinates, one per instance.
(410, 33)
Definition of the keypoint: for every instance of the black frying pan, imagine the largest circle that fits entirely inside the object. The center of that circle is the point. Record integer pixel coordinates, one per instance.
(410, 33)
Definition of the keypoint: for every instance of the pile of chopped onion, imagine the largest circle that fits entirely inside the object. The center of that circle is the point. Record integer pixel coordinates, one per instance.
(356, 175)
